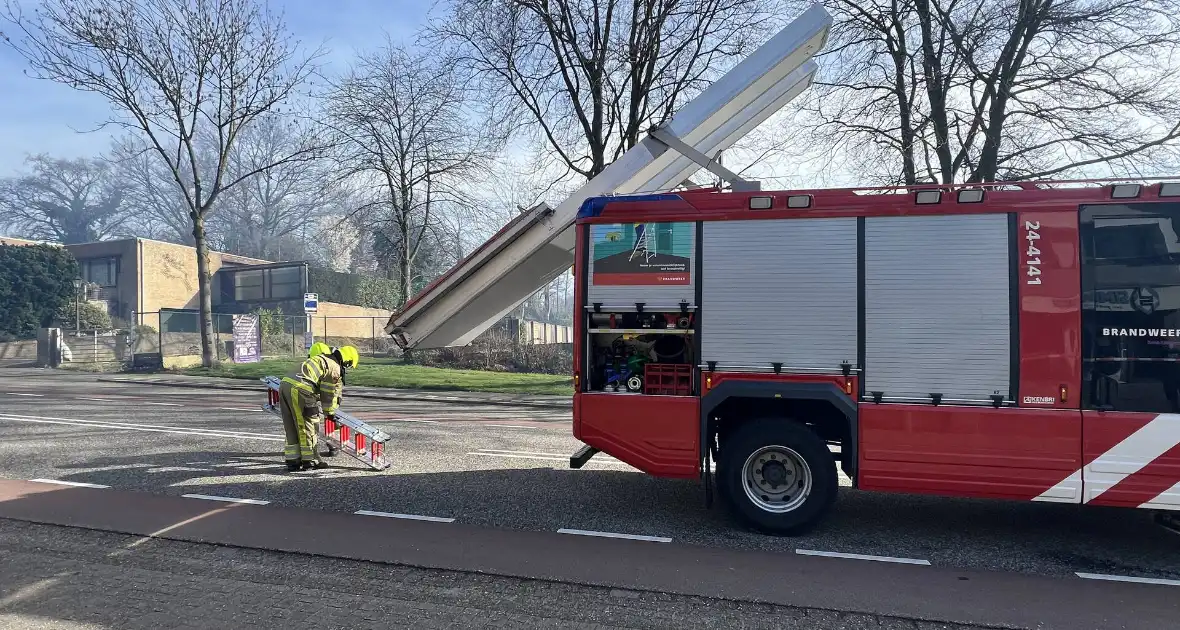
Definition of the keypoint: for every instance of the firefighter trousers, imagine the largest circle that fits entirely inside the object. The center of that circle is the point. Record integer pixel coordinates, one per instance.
(301, 413)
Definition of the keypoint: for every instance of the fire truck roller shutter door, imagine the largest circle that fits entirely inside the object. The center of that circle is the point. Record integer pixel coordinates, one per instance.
(779, 291)
(938, 307)
(653, 263)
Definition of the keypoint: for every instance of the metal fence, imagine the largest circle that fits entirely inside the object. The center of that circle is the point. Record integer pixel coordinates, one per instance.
(179, 334)
(173, 339)
(97, 346)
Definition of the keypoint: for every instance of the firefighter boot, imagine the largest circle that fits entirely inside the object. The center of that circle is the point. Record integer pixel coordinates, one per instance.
(294, 466)
(316, 465)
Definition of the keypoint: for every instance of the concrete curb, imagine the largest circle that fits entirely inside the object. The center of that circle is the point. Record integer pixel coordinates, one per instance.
(368, 395)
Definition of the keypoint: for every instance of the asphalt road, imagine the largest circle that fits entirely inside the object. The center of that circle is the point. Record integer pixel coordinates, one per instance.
(508, 467)
(63, 578)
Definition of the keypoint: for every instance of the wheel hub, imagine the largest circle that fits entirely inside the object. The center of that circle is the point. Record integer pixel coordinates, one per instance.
(777, 479)
(774, 474)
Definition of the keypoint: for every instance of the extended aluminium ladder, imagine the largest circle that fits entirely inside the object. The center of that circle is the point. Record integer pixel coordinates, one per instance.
(349, 435)
(538, 245)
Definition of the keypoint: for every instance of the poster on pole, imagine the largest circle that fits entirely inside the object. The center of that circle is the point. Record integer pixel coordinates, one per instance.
(246, 348)
(642, 254)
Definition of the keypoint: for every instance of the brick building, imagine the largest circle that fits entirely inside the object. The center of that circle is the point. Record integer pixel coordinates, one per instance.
(143, 281)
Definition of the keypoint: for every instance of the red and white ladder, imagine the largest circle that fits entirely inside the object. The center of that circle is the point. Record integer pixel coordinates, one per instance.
(349, 435)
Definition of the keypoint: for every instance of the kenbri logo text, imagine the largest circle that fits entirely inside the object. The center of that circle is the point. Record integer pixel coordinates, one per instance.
(1142, 332)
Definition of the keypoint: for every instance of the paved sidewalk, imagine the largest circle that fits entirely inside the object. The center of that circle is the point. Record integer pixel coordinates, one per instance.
(74, 579)
(469, 398)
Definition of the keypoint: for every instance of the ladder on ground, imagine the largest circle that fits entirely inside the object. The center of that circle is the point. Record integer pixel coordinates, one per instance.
(349, 435)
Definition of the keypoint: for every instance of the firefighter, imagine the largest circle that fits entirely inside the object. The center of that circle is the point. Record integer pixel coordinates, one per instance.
(290, 426)
(318, 347)
(309, 394)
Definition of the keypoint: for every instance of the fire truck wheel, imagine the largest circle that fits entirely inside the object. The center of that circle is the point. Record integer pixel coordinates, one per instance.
(776, 476)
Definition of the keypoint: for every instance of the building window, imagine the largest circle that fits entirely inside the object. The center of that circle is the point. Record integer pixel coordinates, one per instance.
(101, 271)
(248, 285)
(286, 283)
(271, 283)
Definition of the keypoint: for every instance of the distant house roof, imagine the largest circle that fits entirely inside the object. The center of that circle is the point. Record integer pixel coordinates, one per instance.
(12, 240)
(225, 257)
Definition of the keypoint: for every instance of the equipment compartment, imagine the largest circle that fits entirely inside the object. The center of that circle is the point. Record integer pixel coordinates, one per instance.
(642, 353)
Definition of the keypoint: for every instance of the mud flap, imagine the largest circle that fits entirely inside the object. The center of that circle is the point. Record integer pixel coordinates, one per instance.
(708, 479)
(1169, 521)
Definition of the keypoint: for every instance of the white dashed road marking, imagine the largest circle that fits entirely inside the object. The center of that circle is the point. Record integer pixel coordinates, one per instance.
(141, 427)
(584, 532)
(857, 556)
(1126, 578)
(70, 483)
(237, 409)
(30, 395)
(209, 497)
(164, 404)
(413, 517)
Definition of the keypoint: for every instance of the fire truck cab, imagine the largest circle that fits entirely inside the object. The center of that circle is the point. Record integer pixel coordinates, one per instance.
(1015, 341)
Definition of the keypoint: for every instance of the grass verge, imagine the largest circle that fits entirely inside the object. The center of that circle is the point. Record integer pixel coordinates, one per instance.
(378, 373)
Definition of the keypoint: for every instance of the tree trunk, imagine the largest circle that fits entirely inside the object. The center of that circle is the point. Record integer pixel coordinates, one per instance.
(204, 290)
(548, 302)
(403, 279)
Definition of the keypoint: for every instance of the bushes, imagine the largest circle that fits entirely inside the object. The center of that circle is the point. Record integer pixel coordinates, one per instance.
(271, 321)
(36, 283)
(343, 288)
(91, 317)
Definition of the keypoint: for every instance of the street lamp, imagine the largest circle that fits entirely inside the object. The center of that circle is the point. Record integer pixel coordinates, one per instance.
(77, 306)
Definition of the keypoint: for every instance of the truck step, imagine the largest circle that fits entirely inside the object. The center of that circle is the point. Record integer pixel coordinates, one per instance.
(348, 434)
(579, 459)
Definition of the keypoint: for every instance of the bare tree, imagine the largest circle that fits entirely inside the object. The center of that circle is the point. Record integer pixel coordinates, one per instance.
(178, 72)
(278, 200)
(157, 203)
(979, 90)
(591, 76)
(409, 132)
(67, 201)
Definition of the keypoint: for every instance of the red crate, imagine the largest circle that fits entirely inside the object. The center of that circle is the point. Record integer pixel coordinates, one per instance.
(667, 379)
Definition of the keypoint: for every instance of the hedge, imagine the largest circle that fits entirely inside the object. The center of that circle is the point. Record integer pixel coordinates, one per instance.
(36, 283)
(343, 288)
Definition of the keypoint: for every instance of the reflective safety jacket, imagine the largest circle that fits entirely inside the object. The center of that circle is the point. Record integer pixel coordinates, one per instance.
(321, 377)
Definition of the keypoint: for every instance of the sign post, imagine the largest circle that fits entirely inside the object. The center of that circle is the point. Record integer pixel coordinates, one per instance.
(311, 303)
(246, 346)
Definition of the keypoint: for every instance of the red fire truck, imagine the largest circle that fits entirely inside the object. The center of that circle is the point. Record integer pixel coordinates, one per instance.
(1012, 341)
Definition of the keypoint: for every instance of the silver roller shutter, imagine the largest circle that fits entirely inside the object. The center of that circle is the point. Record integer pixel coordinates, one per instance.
(937, 313)
(779, 290)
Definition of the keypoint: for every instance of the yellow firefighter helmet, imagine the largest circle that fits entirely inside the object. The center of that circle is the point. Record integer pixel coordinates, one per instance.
(348, 356)
(318, 348)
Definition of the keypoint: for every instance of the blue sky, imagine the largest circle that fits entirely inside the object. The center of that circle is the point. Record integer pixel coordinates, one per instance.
(40, 116)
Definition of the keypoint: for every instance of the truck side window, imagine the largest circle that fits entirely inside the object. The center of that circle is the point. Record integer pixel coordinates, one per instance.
(1130, 268)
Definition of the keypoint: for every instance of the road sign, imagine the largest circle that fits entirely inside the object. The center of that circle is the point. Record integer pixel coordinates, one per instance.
(311, 302)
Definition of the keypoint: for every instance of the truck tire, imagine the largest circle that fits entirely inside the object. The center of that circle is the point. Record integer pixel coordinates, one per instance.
(776, 476)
